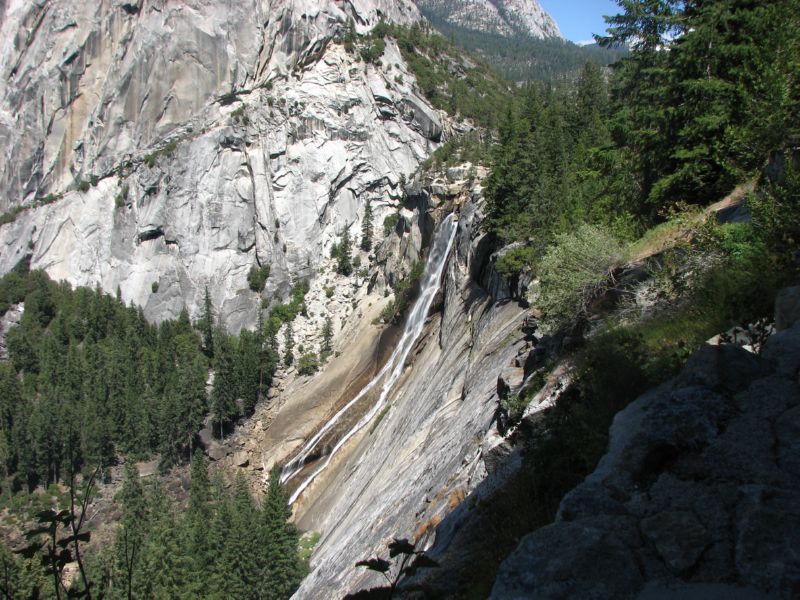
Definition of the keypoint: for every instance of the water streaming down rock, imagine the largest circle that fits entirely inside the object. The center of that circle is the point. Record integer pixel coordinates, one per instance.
(394, 366)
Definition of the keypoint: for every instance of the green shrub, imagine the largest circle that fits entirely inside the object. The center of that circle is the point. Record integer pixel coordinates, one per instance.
(514, 406)
(166, 150)
(11, 215)
(154, 287)
(122, 196)
(329, 290)
(516, 260)
(576, 269)
(239, 115)
(284, 313)
(388, 312)
(389, 224)
(257, 277)
(83, 186)
(373, 50)
(308, 364)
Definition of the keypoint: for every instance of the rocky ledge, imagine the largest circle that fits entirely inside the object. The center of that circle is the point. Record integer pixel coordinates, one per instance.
(697, 497)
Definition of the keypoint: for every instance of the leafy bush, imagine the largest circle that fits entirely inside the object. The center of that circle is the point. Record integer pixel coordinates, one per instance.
(240, 116)
(389, 224)
(122, 196)
(575, 270)
(514, 406)
(776, 215)
(388, 312)
(373, 50)
(404, 292)
(513, 262)
(166, 150)
(308, 364)
(285, 313)
(11, 215)
(257, 277)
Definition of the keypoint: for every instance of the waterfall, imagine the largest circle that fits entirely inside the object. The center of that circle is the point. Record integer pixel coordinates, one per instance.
(394, 366)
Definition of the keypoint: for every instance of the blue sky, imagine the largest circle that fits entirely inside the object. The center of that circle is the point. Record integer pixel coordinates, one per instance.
(579, 19)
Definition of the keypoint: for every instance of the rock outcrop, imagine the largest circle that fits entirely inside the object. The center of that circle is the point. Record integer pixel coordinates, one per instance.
(697, 497)
(180, 143)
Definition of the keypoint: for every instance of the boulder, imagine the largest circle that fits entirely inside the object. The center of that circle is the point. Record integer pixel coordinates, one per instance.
(724, 367)
(216, 452)
(241, 459)
(678, 536)
(787, 308)
(590, 563)
(510, 381)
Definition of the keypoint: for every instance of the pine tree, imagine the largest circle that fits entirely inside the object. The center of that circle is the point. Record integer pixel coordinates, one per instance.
(281, 566)
(344, 262)
(249, 369)
(350, 35)
(730, 81)
(223, 395)
(288, 345)
(243, 541)
(196, 526)
(206, 324)
(200, 488)
(366, 228)
(641, 88)
(167, 565)
(132, 533)
(327, 335)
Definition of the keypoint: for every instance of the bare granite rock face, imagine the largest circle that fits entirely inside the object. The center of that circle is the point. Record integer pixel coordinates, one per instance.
(697, 497)
(402, 475)
(181, 143)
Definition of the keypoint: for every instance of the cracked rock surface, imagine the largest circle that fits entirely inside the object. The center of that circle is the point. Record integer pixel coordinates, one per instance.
(183, 142)
(697, 497)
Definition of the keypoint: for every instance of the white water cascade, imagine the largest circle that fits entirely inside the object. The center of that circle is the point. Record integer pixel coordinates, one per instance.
(394, 366)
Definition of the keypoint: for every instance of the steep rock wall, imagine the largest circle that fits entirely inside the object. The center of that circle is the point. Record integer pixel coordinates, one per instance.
(402, 474)
(180, 143)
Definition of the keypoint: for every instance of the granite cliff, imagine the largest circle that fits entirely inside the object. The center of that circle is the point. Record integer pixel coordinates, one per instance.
(181, 143)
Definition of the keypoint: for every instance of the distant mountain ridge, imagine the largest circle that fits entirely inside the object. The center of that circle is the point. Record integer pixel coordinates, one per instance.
(516, 37)
(504, 17)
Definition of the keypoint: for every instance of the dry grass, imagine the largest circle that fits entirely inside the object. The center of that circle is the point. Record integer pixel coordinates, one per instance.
(426, 528)
(456, 497)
